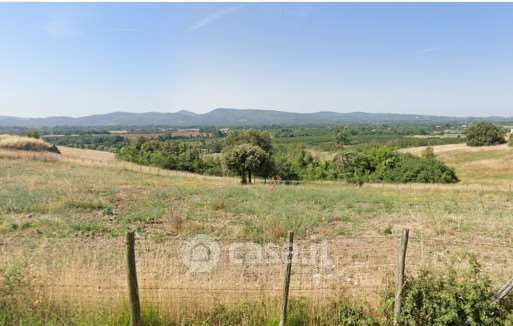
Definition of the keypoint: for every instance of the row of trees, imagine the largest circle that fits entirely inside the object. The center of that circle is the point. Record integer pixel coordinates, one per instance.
(380, 164)
(171, 155)
(108, 143)
(250, 154)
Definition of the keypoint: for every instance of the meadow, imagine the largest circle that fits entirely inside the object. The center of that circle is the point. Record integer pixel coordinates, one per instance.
(72, 194)
(63, 221)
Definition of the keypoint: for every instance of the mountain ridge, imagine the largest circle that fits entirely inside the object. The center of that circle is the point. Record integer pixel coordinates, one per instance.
(230, 117)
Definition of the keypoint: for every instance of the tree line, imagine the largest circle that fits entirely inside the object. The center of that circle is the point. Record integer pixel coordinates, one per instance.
(173, 155)
(250, 154)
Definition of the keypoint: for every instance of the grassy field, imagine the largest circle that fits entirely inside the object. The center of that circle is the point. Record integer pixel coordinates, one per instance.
(12, 142)
(488, 165)
(88, 193)
(72, 211)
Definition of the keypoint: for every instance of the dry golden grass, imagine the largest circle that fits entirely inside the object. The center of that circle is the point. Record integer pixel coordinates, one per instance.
(91, 273)
(12, 142)
(68, 224)
(28, 155)
(106, 159)
(486, 166)
(454, 149)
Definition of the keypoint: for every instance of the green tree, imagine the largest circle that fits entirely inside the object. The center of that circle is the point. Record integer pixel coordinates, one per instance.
(485, 134)
(342, 136)
(352, 166)
(249, 153)
(261, 139)
(429, 153)
(245, 160)
(33, 134)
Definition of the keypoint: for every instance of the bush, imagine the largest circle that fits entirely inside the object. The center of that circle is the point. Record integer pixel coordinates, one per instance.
(353, 166)
(386, 165)
(283, 170)
(33, 134)
(485, 134)
(452, 298)
(408, 168)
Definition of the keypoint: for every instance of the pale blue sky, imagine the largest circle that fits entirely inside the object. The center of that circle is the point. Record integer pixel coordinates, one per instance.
(79, 59)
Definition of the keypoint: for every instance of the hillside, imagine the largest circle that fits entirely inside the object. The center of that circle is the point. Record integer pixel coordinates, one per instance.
(67, 219)
(230, 118)
(12, 142)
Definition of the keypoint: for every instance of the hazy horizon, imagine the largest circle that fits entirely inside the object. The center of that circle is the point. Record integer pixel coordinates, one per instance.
(445, 59)
(243, 109)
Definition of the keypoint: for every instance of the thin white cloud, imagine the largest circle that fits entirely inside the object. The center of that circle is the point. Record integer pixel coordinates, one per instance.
(426, 51)
(62, 28)
(214, 16)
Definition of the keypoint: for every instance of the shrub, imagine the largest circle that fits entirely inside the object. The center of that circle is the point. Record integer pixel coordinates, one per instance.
(452, 298)
(485, 134)
(33, 134)
(386, 165)
(353, 166)
(409, 168)
(283, 169)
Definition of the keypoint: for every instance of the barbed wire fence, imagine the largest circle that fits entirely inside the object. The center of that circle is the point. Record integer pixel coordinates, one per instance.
(175, 272)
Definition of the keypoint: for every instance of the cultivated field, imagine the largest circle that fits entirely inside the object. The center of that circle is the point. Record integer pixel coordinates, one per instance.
(63, 222)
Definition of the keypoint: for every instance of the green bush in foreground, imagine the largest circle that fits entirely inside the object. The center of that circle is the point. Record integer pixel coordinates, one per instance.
(454, 298)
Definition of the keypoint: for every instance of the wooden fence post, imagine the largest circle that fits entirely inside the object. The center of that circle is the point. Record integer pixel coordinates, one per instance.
(286, 282)
(133, 289)
(401, 263)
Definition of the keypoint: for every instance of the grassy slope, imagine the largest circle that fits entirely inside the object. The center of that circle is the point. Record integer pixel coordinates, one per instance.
(71, 199)
(11, 142)
(90, 199)
(488, 165)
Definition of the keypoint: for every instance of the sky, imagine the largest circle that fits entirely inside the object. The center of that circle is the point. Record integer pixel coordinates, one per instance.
(81, 59)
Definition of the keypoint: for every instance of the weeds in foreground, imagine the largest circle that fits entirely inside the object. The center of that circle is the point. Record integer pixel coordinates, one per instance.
(457, 297)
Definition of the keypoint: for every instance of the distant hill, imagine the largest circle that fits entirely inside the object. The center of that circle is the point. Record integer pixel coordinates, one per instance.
(230, 118)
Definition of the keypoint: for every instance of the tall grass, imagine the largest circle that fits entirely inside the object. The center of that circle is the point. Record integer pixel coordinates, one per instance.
(26, 144)
(431, 298)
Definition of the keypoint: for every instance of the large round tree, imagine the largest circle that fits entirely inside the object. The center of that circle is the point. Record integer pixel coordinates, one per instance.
(246, 160)
(249, 153)
(485, 134)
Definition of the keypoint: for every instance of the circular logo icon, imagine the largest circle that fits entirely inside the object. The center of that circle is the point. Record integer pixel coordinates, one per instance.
(200, 253)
